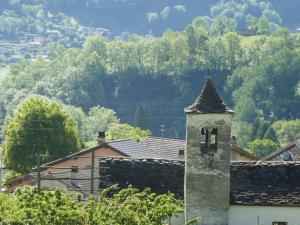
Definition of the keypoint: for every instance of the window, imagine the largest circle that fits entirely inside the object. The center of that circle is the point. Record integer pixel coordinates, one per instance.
(279, 223)
(214, 136)
(74, 169)
(204, 137)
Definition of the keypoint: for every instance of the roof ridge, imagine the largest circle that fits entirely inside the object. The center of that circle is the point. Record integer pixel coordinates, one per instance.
(120, 140)
(175, 139)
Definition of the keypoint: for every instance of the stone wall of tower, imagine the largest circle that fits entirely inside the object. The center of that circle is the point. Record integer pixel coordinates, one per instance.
(207, 175)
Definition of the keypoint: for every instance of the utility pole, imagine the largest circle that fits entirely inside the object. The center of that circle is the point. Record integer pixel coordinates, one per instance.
(92, 172)
(39, 171)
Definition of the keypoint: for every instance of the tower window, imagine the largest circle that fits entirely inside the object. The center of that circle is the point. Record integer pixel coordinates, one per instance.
(204, 137)
(214, 138)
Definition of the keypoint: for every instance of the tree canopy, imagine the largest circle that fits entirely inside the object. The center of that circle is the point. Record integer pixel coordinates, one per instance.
(125, 131)
(39, 126)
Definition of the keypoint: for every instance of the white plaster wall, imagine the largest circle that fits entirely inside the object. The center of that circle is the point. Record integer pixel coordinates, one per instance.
(248, 215)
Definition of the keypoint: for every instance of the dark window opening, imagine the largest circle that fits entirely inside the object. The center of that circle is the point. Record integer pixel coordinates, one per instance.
(204, 137)
(279, 223)
(74, 169)
(181, 152)
(214, 138)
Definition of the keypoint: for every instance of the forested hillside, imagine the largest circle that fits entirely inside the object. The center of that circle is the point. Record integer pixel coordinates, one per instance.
(146, 80)
(260, 76)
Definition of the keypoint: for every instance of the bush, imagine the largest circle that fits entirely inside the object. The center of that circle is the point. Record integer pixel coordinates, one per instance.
(127, 207)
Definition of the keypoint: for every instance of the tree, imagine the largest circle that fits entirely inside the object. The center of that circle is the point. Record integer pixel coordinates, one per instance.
(223, 25)
(287, 131)
(261, 148)
(98, 119)
(143, 116)
(125, 131)
(39, 126)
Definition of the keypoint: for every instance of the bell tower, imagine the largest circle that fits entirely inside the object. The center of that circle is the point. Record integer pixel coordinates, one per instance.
(207, 165)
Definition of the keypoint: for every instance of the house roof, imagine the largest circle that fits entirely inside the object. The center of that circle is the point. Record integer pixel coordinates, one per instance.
(251, 183)
(165, 148)
(243, 152)
(295, 144)
(265, 183)
(133, 149)
(129, 148)
(169, 149)
(209, 101)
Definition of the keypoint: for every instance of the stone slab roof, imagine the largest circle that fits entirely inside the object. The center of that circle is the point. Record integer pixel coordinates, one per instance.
(209, 101)
(252, 183)
(133, 149)
(166, 148)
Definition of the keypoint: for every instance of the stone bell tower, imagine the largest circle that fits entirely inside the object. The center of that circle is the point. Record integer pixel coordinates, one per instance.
(207, 165)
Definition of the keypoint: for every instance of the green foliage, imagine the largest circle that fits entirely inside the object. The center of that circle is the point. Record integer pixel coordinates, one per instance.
(97, 119)
(38, 126)
(287, 131)
(125, 131)
(261, 148)
(260, 75)
(127, 206)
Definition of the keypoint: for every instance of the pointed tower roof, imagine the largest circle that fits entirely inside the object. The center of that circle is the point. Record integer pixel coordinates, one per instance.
(209, 101)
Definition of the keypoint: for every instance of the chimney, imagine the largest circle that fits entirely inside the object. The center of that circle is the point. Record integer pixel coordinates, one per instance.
(101, 137)
(74, 175)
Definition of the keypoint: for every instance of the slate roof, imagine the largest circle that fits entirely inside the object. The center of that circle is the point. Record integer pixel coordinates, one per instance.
(134, 149)
(129, 148)
(251, 183)
(295, 146)
(166, 148)
(209, 101)
(265, 183)
(170, 149)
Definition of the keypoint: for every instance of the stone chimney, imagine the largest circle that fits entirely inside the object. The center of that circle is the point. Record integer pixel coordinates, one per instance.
(101, 137)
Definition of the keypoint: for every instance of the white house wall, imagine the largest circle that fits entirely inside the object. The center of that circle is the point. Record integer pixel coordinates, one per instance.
(249, 215)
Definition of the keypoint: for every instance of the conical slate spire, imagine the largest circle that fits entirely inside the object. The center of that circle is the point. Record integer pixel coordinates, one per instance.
(209, 101)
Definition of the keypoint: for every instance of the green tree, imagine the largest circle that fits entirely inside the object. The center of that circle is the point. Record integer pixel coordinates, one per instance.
(223, 25)
(263, 26)
(287, 131)
(125, 131)
(143, 116)
(98, 119)
(38, 126)
(261, 148)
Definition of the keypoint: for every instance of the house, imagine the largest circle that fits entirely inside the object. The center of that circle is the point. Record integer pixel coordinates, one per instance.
(293, 148)
(151, 147)
(63, 168)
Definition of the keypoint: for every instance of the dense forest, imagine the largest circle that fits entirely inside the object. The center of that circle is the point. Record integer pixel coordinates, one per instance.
(147, 81)
(260, 76)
